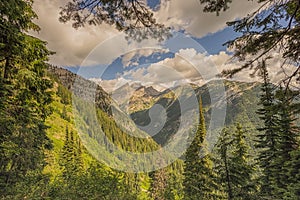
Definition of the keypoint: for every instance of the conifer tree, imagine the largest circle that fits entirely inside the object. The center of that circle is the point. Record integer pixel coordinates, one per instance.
(71, 159)
(199, 181)
(235, 167)
(277, 139)
(222, 163)
(288, 136)
(293, 186)
(267, 140)
(242, 170)
(159, 184)
(174, 183)
(25, 95)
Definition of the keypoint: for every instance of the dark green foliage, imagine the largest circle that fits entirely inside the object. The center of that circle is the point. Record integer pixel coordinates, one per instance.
(95, 182)
(80, 180)
(121, 138)
(25, 96)
(64, 114)
(199, 181)
(71, 158)
(216, 6)
(64, 94)
(293, 173)
(274, 26)
(277, 139)
(133, 17)
(174, 189)
(222, 163)
(235, 165)
(288, 137)
(159, 184)
(268, 136)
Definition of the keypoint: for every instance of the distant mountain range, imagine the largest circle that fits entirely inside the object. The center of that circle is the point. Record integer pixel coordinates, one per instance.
(133, 105)
(238, 100)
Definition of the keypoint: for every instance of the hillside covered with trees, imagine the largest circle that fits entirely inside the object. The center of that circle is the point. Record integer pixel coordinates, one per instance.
(43, 148)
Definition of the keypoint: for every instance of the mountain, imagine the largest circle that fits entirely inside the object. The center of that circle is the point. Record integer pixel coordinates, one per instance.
(236, 99)
(81, 87)
(157, 114)
(135, 97)
(95, 117)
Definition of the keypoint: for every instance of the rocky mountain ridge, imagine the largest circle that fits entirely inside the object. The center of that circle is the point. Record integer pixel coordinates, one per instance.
(83, 88)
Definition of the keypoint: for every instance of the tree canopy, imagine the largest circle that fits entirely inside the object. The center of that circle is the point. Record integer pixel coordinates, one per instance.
(274, 26)
(131, 16)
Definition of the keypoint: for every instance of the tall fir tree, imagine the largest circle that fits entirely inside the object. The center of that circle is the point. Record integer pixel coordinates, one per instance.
(277, 139)
(288, 136)
(71, 156)
(25, 95)
(235, 166)
(199, 181)
(293, 187)
(267, 140)
(221, 161)
(242, 167)
(159, 183)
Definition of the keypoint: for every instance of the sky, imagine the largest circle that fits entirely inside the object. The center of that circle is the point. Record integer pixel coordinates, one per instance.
(195, 53)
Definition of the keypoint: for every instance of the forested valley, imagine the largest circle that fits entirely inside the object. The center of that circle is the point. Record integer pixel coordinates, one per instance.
(256, 155)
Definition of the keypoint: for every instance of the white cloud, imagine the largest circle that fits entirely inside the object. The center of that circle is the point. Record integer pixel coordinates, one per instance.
(276, 70)
(186, 65)
(132, 57)
(188, 15)
(198, 68)
(89, 45)
(71, 45)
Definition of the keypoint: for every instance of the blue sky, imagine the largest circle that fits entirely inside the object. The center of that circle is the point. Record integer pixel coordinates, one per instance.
(153, 3)
(212, 43)
(204, 34)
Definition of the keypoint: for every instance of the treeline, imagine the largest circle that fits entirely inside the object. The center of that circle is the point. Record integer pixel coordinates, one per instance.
(25, 95)
(244, 165)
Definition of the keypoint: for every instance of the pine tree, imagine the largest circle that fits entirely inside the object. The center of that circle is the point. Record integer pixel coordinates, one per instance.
(278, 138)
(174, 189)
(25, 95)
(288, 136)
(222, 163)
(64, 114)
(267, 140)
(240, 166)
(71, 158)
(293, 187)
(199, 177)
(235, 166)
(159, 184)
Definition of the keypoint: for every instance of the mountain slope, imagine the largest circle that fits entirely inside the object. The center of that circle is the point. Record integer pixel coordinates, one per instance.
(240, 101)
(97, 136)
(96, 139)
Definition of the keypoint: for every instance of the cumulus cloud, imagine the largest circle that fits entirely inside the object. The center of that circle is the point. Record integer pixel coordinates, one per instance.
(71, 45)
(188, 15)
(189, 66)
(111, 85)
(277, 71)
(131, 58)
(186, 64)
(89, 45)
